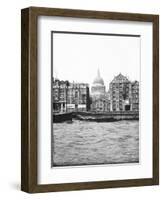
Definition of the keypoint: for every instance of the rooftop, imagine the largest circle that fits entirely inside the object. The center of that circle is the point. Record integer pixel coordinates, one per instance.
(120, 79)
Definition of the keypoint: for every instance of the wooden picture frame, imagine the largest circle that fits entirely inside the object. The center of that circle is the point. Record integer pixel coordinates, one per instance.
(29, 97)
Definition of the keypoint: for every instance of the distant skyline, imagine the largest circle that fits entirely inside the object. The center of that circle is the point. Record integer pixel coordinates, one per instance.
(78, 57)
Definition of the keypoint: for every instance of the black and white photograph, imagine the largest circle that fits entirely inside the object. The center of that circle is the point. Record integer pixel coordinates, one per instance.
(95, 98)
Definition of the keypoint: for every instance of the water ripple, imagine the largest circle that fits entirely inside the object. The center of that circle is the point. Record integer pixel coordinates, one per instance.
(82, 143)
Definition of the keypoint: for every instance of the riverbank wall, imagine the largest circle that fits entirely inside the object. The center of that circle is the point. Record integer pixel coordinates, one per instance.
(108, 116)
(96, 116)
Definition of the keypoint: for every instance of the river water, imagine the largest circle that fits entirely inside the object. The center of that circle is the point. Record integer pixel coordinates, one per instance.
(91, 143)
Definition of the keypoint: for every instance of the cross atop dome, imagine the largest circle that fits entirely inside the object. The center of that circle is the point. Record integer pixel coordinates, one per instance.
(98, 80)
(98, 73)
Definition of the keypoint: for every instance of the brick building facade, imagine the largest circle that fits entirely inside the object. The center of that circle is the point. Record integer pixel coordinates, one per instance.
(69, 97)
(124, 94)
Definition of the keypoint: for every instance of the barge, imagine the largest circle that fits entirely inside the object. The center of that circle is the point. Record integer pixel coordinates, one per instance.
(96, 117)
(62, 117)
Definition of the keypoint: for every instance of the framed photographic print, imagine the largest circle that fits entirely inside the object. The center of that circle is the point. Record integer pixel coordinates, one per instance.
(90, 99)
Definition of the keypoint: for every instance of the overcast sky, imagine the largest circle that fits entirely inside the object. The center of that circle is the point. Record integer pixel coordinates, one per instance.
(78, 57)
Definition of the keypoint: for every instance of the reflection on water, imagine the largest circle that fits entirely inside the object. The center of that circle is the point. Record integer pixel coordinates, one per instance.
(81, 143)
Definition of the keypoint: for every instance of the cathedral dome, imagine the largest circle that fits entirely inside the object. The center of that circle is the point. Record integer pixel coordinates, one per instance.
(98, 87)
(98, 80)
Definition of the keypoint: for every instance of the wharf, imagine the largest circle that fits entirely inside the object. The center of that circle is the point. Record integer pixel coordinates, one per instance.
(97, 116)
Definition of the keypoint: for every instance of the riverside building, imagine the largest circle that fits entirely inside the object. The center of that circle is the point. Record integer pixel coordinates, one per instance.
(60, 89)
(124, 94)
(68, 97)
(135, 95)
(78, 98)
(120, 93)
